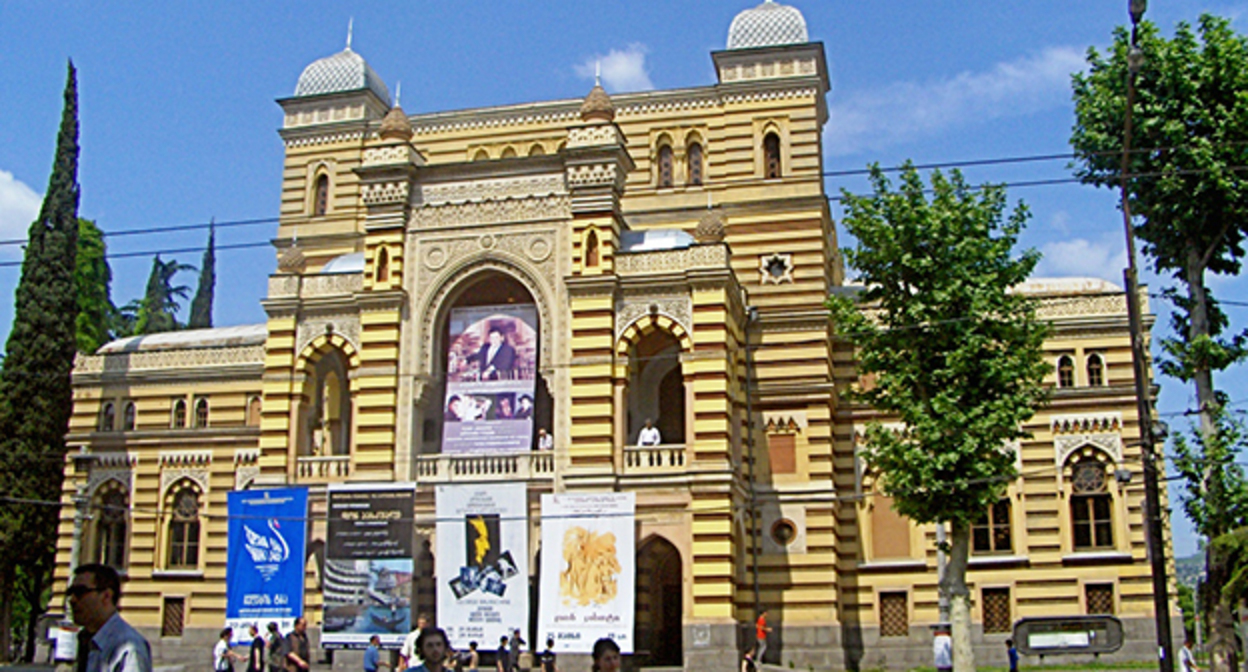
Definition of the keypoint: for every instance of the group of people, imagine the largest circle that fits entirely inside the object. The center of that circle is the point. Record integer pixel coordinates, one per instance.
(269, 653)
(427, 649)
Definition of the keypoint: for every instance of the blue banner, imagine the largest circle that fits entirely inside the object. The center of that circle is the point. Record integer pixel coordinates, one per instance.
(266, 554)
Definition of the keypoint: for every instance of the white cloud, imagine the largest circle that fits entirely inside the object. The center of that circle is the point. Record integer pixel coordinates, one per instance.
(19, 205)
(1079, 257)
(879, 118)
(621, 70)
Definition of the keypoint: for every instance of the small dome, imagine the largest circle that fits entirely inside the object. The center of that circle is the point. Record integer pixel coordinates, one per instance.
(710, 228)
(598, 106)
(352, 262)
(344, 71)
(292, 260)
(396, 126)
(770, 24)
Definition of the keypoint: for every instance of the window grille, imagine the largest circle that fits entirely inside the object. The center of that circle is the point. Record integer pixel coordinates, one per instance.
(1099, 598)
(172, 617)
(996, 605)
(894, 621)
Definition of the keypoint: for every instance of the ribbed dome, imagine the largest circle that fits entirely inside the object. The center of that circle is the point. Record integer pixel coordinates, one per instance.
(767, 25)
(598, 106)
(344, 71)
(395, 125)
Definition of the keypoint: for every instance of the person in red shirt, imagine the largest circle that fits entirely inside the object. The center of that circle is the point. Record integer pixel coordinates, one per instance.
(761, 631)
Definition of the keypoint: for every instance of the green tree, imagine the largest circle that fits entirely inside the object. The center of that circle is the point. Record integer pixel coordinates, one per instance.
(93, 278)
(158, 309)
(1190, 125)
(957, 356)
(201, 305)
(35, 389)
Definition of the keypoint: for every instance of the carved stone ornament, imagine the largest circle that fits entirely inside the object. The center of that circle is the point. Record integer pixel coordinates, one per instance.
(775, 269)
(666, 261)
(194, 358)
(598, 174)
(593, 136)
(343, 324)
(472, 191)
(395, 125)
(598, 106)
(632, 307)
(386, 192)
(383, 156)
(117, 467)
(537, 209)
(246, 467)
(710, 228)
(176, 465)
(292, 260)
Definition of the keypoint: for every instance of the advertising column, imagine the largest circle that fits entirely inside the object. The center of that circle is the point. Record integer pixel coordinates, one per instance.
(368, 564)
(265, 552)
(588, 570)
(483, 568)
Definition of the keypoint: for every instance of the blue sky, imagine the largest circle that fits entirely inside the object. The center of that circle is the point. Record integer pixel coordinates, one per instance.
(179, 123)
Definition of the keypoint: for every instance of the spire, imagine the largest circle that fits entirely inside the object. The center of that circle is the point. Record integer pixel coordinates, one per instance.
(398, 92)
(350, 29)
(597, 73)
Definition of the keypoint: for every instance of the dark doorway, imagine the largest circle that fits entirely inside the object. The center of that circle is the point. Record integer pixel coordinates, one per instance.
(660, 605)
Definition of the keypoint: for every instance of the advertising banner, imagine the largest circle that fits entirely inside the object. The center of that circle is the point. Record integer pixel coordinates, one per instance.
(491, 364)
(482, 558)
(265, 550)
(368, 565)
(588, 570)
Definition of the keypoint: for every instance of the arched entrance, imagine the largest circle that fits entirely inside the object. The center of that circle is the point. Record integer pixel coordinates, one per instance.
(656, 389)
(660, 604)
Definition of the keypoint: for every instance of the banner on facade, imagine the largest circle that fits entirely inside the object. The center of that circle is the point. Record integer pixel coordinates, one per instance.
(482, 561)
(588, 570)
(266, 548)
(368, 564)
(491, 363)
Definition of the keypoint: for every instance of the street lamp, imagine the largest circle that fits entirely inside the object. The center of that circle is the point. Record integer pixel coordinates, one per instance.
(1152, 499)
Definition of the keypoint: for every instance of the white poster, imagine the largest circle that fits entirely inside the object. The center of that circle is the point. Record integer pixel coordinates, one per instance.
(588, 570)
(482, 562)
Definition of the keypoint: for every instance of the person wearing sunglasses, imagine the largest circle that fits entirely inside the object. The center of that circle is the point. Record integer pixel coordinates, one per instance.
(106, 643)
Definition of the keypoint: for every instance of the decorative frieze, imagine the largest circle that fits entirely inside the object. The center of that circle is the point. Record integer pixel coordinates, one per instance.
(594, 136)
(335, 284)
(632, 307)
(343, 324)
(668, 261)
(474, 191)
(543, 208)
(176, 465)
(382, 193)
(597, 174)
(1082, 306)
(393, 154)
(192, 358)
(327, 139)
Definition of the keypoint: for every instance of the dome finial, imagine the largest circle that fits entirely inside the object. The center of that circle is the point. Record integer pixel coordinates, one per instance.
(350, 29)
(398, 92)
(597, 73)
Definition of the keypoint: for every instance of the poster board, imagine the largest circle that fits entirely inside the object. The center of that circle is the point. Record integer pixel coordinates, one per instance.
(266, 546)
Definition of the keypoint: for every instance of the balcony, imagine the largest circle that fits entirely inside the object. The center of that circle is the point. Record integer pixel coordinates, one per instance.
(322, 469)
(667, 458)
(528, 466)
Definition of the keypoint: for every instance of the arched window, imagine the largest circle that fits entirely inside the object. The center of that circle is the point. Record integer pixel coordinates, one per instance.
(481, 155)
(383, 265)
(537, 150)
(1096, 370)
(665, 166)
(320, 200)
(184, 529)
(112, 508)
(179, 413)
(108, 417)
(128, 417)
(201, 412)
(771, 156)
(509, 153)
(253, 412)
(326, 422)
(1065, 371)
(1091, 506)
(694, 158)
(591, 249)
(991, 532)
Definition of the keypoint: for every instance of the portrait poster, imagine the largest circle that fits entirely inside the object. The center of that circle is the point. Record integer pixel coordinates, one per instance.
(265, 551)
(491, 367)
(482, 561)
(588, 571)
(368, 565)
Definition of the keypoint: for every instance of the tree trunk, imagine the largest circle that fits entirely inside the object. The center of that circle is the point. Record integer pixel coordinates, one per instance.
(6, 611)
(954, 585)
(36, 583)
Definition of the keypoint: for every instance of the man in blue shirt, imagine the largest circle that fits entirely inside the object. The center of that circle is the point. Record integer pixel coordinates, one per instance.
(372, 655)
(107, 643)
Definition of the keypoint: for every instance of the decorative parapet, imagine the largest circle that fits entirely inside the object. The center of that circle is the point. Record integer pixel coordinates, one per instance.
(785, 421)
(391, 155)
(594, 136)
(774, 68)
(383, 193)
(606, 174)
(475, 191)
(669, 261)
(191, 358)
(505, 211)
(337, 284)
(662, 459)
(1081, 306)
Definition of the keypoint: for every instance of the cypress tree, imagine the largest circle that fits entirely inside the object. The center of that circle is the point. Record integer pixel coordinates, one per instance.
(93, 279)
(36, 396)
(159, 307)
(201, 305)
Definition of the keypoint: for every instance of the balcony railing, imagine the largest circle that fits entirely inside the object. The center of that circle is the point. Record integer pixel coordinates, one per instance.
(329, 468)
(667, 458)
(535, 465)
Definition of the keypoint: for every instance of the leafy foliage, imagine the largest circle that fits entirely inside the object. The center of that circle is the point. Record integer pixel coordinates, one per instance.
(157, 311)
(956, 355)
(93, 278)
(201, 305)
(1215, 491)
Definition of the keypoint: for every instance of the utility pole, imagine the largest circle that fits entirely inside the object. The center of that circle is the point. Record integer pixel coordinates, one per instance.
(82, 465)
(1143, 394)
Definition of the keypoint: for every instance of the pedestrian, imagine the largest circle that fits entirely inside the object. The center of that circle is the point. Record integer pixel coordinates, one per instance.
(942, 649)
(473, 662)
(513, 659)
(431, 646)
(106, 642)
(276, 649)
(760, 633)
(255, 657)
(547, 657)
(372, 655)
(606, 655)
(1187, 660)
(1012, 654)
(408, 653)
(222, 657)
(296, 647)
(503, 655)
(747, 661)
(544, 440)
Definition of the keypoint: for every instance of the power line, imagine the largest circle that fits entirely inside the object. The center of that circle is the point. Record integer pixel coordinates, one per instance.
(167, 229)
(152, 253)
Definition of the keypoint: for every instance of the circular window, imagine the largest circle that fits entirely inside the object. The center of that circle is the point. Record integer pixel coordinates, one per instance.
(783, 531)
